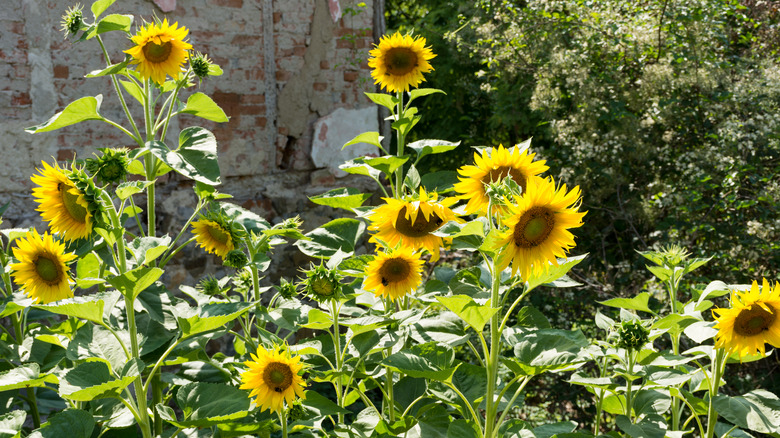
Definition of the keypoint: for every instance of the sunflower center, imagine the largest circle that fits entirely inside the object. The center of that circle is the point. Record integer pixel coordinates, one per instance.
(498, 173)
(394, 270)
(322, 286)
(218, 234)
(48, 269)
(154, 52)
(755, 320)
(278, 376)
(71, 203)
(534, 227)
(400, 61)
(421, 226)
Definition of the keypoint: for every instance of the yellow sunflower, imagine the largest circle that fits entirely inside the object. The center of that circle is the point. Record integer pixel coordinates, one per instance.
(61, 204)
(272, 376)
(394, 273)
(213, 237)
(493, 165)
(41, 271)
(398, 62)
(751, 321)
(160, 50)
(412, 222)
(538, 222)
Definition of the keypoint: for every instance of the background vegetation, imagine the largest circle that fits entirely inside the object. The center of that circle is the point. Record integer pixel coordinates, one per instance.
(665, 113)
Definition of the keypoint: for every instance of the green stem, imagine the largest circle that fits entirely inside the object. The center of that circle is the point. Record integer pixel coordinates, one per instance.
(399, 173)
(466, 401)
(717, 368)
(283, 420)
(33, 402)
(629, 383)
(492, 360)
(149, 161)
(334, 310)
(157, 397)
(512, 400)
(140, 392)
(600, 398)
(176, 251)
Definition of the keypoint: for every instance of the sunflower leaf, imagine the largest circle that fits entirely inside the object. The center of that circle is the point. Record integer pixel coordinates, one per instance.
(133, 282)
(11, 423)
(639, 302)
(72, 423)
(100, 6)
(428, 147)
(77, 111)
(758, 410)
(110, 23)
(90, 307)
(420, 92)
(24, 376)
(90, 381)
(201, 105)
(553, 273)
(468, 310)
(207, 317)
(372, 138)
(386, 164)
(195, 158)
(386, 100)
(207, 404)
(345, 198)
(110, 70)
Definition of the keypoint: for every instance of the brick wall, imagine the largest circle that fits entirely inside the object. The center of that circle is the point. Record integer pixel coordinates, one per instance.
(286, 63)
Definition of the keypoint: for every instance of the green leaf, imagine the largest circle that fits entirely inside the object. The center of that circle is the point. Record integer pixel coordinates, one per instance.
(386, 100)
(110, 70)
(94, 341)
(11, 424)
(252, 222)
(639, 302)
(321, 406)
(412, 179)
(553, 429)
(133, 282)
(420, 92)
(532, 317)
(147, 249)
(543, 350)
(134, 90)
(88, 271)
(652, 426)
(318, 320)
(92, 380)
(428, 147)
(441, 181)
(201, 105)
(358, 167)
(700, 331)
(100, 6)
(88, 307)
(71, 423)
(467, 309)
(196, 157)
(208, 404)
(461, 429)
(446, 327)
(130, 188)
(651, 402)
(417, 366)
(24, 376)
(758, 410)
(674, 323)
(372, 138)
(207, 317)
(80, 110)
(386, 164)
(336, 235)
(553, 273)
(110, 23)
(365, 324)
(346, 198)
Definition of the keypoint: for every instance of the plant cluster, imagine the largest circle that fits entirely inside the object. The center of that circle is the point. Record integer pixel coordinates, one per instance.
(359, 345)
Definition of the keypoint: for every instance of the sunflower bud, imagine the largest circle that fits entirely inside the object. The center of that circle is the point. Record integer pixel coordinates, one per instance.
(296, 412)
(86, 186)
(201, 65)
(632, 335)
(235, 259)
(72, 20)
(210, 286)
(111, 167)
(321, 284)
(242, 281)
(287, 290)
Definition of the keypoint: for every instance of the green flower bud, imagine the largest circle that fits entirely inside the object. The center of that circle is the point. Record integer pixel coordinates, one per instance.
(111, 167)
(72, 21)
(296, 411)
(235, 259)
(632, 335)
(201, 65)
(321, 284)
(210, 286)
(287, 290)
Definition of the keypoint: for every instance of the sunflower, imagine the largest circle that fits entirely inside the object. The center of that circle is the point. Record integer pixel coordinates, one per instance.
(493, 165)
(41, 271)
(61, 203)
(398, 62)
(214, 237)
(538, 226)
(272, 376)
(412, 222)
(394, 273)
(751, 321)
(160, 50)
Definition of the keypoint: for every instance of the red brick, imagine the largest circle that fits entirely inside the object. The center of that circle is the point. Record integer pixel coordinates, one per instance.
(261, 122)
(320, 86)
(283, 75)
(251, 109)
(299, 51)
(229, 3)
(344, 44)
(351, 76)
(252, 99)
(228, 101)
(244, 40)
(65, 154)
(324, 65)
(277, 17)
(61, 71)
(21, 99)
(17, 27)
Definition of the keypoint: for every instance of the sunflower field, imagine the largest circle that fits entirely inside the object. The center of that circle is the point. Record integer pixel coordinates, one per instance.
(433, 333)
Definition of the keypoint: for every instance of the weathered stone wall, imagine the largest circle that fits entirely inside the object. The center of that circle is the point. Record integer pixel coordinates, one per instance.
(287, 63)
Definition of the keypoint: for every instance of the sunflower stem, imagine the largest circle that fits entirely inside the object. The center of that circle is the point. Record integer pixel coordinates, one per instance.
(717, 367)
(629, 382)
(399, 173)
(283, 420)
(137, 137)
(492, 360)
(149, 161)
(334, 310)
